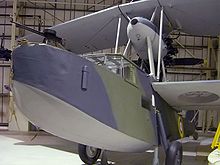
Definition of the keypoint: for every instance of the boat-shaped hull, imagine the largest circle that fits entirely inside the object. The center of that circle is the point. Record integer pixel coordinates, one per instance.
(68, 122)
(51, 90)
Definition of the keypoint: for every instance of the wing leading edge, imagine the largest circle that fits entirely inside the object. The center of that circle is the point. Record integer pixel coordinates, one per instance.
(190, 95)
(97, 31)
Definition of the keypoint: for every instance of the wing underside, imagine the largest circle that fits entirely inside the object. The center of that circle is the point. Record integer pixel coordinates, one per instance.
(190, 95)
(97, 31)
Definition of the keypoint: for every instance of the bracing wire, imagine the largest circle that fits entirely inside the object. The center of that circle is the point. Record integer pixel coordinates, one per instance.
(124, 15)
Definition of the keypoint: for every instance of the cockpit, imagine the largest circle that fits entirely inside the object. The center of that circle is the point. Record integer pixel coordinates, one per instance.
(115, 63)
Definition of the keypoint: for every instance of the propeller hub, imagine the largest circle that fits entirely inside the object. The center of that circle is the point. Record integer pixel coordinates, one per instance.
(134, 21)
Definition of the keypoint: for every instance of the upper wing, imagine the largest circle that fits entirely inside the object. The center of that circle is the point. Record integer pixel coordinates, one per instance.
(190, 95)
(197, 17)
(97, 31)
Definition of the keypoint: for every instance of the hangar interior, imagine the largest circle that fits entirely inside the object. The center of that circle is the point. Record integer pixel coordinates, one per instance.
(41, 14)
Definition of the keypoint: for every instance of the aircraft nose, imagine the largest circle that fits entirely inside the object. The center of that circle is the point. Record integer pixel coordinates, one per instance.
(134, 21)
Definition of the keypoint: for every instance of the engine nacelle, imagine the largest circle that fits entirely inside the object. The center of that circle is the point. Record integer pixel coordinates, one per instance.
(138, 29)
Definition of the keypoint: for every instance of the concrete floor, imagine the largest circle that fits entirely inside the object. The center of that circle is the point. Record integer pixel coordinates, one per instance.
(19, 148)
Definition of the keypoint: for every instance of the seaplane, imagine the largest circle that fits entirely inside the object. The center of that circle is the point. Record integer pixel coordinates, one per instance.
(104, 101)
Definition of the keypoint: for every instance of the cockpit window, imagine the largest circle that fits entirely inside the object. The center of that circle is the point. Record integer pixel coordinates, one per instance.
(117, 64)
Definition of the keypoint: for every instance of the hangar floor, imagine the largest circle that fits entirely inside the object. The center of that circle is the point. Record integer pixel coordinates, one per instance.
(21, 149)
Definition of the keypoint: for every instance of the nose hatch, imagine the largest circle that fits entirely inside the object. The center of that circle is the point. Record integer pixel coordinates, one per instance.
(134, 21)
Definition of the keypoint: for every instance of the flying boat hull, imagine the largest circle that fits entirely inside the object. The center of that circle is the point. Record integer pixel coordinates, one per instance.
(77, 100)
(68, 122)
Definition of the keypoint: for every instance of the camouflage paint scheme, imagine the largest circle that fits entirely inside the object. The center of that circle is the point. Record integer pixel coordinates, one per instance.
(109, 98)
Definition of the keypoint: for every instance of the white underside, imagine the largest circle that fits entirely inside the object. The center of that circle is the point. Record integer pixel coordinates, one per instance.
(138, 35)
(68, 122)
(171, 92)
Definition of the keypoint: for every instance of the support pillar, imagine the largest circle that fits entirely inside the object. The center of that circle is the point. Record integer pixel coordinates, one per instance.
(13, 27)
(17, 122)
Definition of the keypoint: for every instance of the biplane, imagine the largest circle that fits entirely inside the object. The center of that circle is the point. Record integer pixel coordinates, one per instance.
(104, 101)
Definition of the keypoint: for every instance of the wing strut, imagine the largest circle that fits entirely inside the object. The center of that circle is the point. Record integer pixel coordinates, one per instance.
(160, 43)
(126, 48)
(150, 57)
(164, 71)
(118, 34)
(153, 15)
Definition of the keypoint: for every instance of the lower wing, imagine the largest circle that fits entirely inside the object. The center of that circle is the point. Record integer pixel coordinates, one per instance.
(190, 95)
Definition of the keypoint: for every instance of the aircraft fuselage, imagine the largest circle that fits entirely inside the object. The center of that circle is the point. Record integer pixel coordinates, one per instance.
(92, 106)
